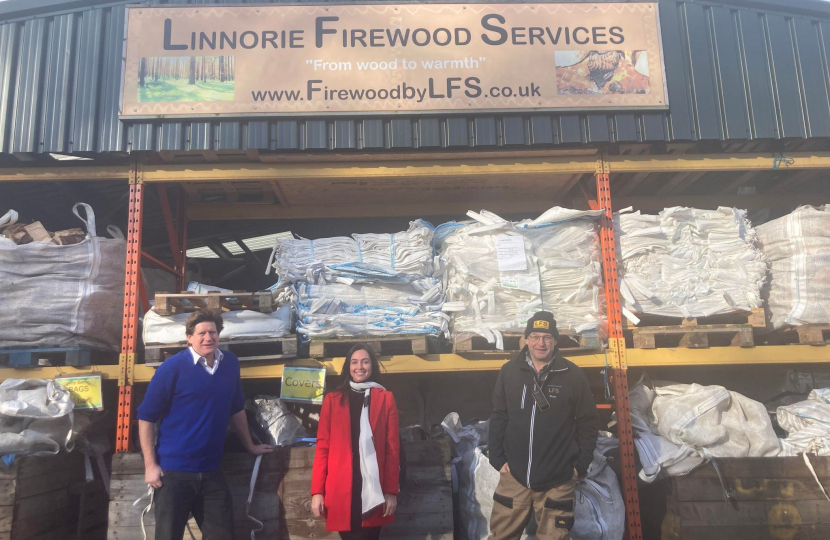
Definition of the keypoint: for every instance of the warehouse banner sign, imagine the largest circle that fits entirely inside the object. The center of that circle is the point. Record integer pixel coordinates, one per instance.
(382, 58)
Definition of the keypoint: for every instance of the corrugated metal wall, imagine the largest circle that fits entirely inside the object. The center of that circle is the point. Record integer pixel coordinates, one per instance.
(732, 74)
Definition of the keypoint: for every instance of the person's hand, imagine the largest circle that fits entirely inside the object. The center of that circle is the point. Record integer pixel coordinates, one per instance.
(576, 474)
(506, 468)
(152, 476)
(390, 504)
(260, 449)
(318, 505)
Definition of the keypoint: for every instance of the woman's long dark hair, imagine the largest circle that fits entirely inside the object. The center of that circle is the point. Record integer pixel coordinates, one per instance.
(345, 377)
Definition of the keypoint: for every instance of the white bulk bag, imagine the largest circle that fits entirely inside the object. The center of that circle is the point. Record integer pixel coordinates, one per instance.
(477, 481)
(36, 417)
(238, 325)
(798, 248)
(685, 262)
(63, 296)
(808, 425)
(599, 513)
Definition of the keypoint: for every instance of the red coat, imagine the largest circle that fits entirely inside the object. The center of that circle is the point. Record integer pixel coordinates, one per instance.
(332, 474)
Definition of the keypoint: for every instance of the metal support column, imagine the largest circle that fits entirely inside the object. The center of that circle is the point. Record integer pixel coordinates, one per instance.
(616, 353)
(129, 335)
(176, 233)
(181, 229)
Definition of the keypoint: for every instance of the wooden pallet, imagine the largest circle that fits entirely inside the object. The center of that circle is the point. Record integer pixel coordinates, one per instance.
(127, 486)
(186, 302)
(467, 342)
(48, 498)
(756, 318)
(425, 508)
(282, 500)
(769, 498)
(808, 334)
(693, 336)
(57, 356)
(270, 349)
(387, 345)
(813, 334)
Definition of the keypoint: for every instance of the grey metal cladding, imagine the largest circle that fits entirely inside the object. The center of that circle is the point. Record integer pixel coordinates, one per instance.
(654, 128)
(257, 135)
(30, 83)
(86, 88)
(143, 136)
(598, 128)
(229, 136)
(570, 126)
(200, 137)
(677, 72)
(704, 93)
(457, 132)
(808, 49)
(54, 120)
(111, 132)
(316, 134)
(785, 77)
(8, 69)
(757, 76)
(513, 128)
(171, 137)
(287, 135)
(733, 72)
(727, 58)
(541, 130)
(373, 133)
(400, 133)
(429, 132)
(485, 131)
(344, 134)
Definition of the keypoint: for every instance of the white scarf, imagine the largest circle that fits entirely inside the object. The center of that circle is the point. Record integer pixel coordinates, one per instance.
(372, 493)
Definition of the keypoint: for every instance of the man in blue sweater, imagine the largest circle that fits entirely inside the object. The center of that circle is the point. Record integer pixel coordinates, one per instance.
(193, 396)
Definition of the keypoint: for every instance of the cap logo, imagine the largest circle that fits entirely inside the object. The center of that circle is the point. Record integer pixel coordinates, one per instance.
(541, 324)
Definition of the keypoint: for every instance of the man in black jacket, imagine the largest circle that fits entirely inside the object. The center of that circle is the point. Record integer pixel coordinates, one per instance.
(543, 431)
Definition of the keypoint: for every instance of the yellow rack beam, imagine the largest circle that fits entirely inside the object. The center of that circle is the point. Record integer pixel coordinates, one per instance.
(258, 172)
(442, 363)
(667, 163)
(448, 168)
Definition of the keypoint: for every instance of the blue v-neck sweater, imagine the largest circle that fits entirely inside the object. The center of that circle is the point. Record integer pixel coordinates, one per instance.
(193, 409)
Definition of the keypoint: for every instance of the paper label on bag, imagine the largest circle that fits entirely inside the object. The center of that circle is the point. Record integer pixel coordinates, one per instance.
(524, 282)
(510, 251)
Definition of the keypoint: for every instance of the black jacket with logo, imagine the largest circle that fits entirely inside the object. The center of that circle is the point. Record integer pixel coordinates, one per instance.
(543, 447)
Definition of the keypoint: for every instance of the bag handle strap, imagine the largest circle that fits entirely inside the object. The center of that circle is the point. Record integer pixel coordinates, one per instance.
(115, 232)
(90, 218)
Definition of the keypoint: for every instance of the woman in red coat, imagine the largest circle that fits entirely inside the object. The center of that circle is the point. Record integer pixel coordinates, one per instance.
(356, 466)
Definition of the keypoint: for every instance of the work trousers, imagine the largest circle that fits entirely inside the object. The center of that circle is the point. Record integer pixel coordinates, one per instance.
(205, 495)
(513, 504)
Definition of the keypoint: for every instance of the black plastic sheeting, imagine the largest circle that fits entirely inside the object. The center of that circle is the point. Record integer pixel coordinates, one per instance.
(733, 73)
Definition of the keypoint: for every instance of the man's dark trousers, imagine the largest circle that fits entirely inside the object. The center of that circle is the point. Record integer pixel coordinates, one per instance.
(205, 495)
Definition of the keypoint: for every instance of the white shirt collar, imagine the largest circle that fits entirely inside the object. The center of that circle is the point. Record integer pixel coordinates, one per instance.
(198, 359)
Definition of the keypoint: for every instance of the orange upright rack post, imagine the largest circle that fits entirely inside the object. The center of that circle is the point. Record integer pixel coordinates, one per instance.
(129, 335)
(616, 353)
